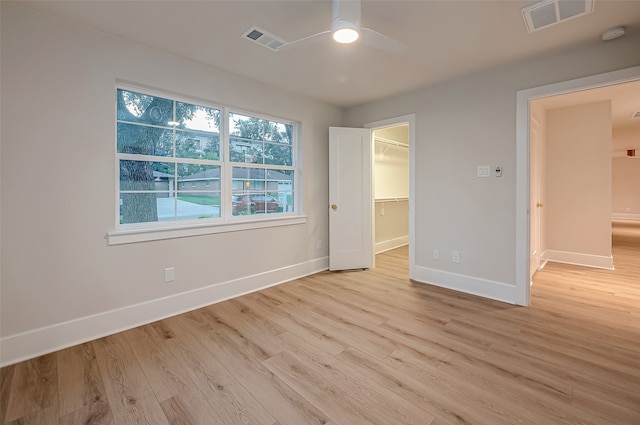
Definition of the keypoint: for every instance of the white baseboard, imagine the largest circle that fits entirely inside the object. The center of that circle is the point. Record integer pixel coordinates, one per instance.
(391, 244)
(472, 285)
(33, 343)
(578, 259)
(625, 216)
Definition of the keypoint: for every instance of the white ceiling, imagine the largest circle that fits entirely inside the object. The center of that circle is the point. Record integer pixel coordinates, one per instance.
(445, 38)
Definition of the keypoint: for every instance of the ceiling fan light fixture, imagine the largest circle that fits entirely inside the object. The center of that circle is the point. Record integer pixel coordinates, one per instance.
(345, 35)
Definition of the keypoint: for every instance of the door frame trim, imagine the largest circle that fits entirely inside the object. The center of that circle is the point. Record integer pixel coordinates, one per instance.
(523, 98)
(410, 120)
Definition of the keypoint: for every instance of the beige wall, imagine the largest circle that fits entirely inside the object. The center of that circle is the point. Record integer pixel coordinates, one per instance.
(626, 174)
(578, 179)
(626, 187)
(391, 224)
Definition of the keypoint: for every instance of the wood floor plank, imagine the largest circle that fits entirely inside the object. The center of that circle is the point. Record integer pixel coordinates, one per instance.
(284, 404)
(230, 400)
(82, 395)
(438, 397)
(34, 387)
(363, 392)
(362, 347)
(288, 321)
(6, 382)
(322, 393)
(130, 397)
(47, 416)
(170, 382)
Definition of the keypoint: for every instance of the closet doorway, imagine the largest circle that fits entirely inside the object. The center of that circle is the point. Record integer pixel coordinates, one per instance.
(391, 187)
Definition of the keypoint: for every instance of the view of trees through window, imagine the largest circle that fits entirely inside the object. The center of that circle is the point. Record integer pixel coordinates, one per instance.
(172, 161)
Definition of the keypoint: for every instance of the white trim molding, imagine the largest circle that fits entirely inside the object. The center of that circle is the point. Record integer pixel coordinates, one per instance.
(391, 244)
(625, 216)
(33, 343)
(472, 285)
(579, 259)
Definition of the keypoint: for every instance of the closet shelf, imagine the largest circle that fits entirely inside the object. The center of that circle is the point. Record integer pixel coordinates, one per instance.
(402, 198)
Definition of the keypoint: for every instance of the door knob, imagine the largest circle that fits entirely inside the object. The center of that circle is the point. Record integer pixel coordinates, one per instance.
(334, 207)
(539, 205)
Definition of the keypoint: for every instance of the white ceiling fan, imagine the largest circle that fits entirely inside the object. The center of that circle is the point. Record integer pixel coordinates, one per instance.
(345, 29)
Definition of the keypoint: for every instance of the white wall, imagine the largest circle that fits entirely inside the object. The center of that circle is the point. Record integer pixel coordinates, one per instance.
(471, 121)
(578, 184)
(61, 283)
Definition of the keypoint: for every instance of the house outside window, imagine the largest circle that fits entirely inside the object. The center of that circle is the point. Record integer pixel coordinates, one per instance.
(174, 156)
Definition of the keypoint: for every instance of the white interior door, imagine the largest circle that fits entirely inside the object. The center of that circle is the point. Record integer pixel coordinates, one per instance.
(535, 198)
(350, 199)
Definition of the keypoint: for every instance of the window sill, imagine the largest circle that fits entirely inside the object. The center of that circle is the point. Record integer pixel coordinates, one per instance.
(126, 236)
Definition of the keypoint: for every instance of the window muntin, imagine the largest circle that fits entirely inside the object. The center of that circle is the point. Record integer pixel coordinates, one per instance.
(171, 167)
(260, 141)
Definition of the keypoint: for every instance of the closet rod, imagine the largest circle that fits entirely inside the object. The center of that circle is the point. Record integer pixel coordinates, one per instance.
(392, 199)
(391, 142)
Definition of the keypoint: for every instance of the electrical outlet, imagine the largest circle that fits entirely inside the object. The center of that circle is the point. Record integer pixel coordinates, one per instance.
(169, 274)
(436, 254)
(455, 257)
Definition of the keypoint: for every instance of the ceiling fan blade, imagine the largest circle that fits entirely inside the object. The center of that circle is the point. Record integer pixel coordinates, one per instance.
(304, 41)
(380, 41)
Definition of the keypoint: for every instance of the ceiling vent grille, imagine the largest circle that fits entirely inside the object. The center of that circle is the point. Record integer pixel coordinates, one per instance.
(550, 12)
(264, 38)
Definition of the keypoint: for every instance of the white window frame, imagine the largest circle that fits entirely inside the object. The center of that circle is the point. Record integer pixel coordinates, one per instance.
(227, 222)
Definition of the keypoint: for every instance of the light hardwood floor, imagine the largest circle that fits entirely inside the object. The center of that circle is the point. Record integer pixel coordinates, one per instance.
(356, 348)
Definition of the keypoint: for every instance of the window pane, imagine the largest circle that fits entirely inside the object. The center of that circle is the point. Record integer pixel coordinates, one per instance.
(249, 203)
(197, 205)
(146, 175)
(197, 146)
(277, 154)
(253, 128)
(194, 117)
(142, 108)
(285, 199)
(143, 182)
(244, 126)
(195, 177)
(249, 179)
(245, 151)
(278, 133)
(279, 180)
(144, 140)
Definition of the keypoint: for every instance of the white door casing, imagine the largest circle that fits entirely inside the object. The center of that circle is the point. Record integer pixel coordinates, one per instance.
(534, 197)
(350, 199)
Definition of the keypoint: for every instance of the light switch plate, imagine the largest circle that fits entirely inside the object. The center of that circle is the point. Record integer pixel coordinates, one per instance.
(484, 170)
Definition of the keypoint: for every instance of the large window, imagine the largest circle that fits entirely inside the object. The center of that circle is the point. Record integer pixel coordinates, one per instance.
(182, 161)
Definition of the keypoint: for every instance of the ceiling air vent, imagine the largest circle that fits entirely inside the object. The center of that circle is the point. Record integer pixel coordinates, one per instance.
(550, 12)
(264, 38)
